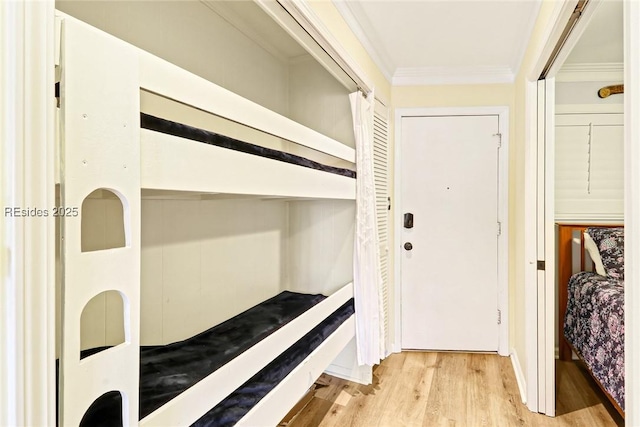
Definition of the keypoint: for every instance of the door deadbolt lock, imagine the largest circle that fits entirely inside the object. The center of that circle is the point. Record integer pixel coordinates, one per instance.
(408, 246)
(408, 220)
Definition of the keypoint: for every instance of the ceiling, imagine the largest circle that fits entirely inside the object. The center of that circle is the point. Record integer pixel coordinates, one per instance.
(441, 42)
(602, 41)
(423, 42)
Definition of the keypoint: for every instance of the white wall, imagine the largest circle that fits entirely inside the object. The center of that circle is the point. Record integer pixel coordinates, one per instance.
(319, 101)
(320, 255)
(206, 261)
(192, 36)
(585, 93)
(321, 261)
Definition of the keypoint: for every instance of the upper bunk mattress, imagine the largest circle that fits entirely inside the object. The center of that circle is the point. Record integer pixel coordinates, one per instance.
(181, 130)
(594, 325)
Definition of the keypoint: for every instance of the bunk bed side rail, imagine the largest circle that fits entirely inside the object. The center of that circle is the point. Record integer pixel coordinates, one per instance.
(274, 406)
(166, 79)
(215, 170)
(189, 406)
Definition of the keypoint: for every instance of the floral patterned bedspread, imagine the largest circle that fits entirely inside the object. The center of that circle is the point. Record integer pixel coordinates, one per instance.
(594, 325)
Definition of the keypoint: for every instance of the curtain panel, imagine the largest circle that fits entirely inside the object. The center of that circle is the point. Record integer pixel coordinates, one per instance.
(367, 276)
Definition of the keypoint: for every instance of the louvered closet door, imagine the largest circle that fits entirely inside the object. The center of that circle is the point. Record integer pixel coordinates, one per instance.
(589, 167)
(381, 175)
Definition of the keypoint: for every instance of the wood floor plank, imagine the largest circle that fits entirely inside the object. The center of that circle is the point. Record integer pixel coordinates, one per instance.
(432, 389)
(447, 402)
(372, 406)
(481, 396)
(510, 406)
(418, 372)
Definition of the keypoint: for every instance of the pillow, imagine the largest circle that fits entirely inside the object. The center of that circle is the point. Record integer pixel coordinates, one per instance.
(594, 253)
(610, 244)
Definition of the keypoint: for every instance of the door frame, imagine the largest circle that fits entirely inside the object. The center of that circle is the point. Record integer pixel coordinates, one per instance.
(503, 212)
(27, 297)
(632, 210)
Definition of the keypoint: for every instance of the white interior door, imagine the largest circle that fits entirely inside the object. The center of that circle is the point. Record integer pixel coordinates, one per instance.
(450, 254)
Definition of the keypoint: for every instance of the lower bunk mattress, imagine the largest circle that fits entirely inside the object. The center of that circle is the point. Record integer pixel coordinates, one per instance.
(166, 371)
(594, 326)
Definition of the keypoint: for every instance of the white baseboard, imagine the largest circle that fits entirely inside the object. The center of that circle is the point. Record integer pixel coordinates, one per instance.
(520, 378)
(358, 374)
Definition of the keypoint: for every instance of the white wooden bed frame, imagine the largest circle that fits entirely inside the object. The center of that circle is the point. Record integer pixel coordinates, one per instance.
(102, 146)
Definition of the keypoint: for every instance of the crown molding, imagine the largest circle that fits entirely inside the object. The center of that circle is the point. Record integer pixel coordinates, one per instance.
(591, 72)
(366, 33)
(427, 76)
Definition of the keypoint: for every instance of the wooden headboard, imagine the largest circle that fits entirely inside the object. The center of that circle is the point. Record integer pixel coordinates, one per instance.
(566, 235)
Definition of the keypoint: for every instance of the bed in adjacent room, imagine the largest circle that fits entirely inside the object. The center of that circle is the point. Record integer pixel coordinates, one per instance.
(592, 303)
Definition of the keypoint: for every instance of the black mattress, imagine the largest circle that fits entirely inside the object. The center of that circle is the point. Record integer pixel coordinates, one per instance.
(166, 371)
(201, 135)
(239, 403)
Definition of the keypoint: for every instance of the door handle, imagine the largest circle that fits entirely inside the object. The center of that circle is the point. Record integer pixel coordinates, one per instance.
(408, 246)
(408, 220)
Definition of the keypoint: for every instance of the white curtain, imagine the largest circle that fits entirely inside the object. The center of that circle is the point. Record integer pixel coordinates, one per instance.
(367, 279)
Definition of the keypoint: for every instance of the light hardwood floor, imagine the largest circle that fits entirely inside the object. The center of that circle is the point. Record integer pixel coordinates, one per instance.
(451, 389)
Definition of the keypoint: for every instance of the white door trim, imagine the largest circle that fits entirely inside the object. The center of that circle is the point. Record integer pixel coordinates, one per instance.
(27, 297)
(560, 16)
(548, 376)
(531, 247)
(533, 324)
(503, 212)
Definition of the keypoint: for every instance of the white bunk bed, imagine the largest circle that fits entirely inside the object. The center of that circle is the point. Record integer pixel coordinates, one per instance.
(103, 147)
